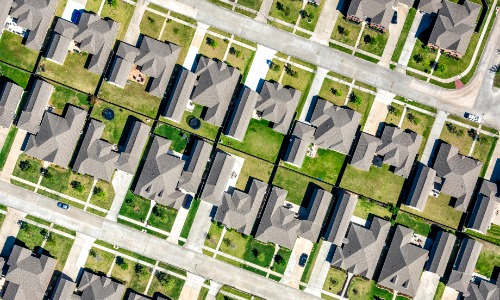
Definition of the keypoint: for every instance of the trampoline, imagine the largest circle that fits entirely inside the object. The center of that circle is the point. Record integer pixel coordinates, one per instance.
(108, 114)
(195, 123)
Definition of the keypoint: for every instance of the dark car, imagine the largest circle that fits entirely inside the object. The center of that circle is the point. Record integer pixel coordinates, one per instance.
(303, 260)
(62, 205)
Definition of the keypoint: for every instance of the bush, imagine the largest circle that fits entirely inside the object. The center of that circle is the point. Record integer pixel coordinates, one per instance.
(211, 42)
(175, 30)
(368, 39)
(93, 253)
(113, 3)
(278, 259)
(162, 277)
(140, 269)
(353, 98)
(77, 185)
(291, 72)
(235, 52)
(25, 165)
(275, 67)
(158, 211)
(418, 58)
(413, 119)
(129, 202)
(394, 111)
(342, 30)
(335, 92)
(98, 191)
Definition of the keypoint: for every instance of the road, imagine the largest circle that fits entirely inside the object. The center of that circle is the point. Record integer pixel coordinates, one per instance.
(145, 244)
(454, 101)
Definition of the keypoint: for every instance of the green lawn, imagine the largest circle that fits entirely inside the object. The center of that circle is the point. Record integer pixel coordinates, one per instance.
(122, 14)
(312, 16)
(151, 24)
(31, 172)
(439, 291)
(394, 115)
(360, 288)
(453, 66)
(162, 217)
(193, 209)
(242, 246)
(375, 44)
(422, 124)
(7, 145)
(31, 236)
(488, 259)
(365, 208)
(334, 92)
(364, 107)
(288, 11)
(93, 5)
(483, 147)
(421, 57)
(404, 35)
(17, 76)
(253, 4)
(346, 32)
(15, 53)
(60, 179)
(335, 280)
(99, 260)
(252, 168)
(379, 183)
(492, 235)
(133, 97)
(214, 235)
(438, 210)
(459, 139)
(310, 262)
(72, 73)
(135, 207)
(419, 226)
(280, 264)
(260, 140)
(216, 50)
(58, 247)
(296, 184)
(206, 130)
(125, 271)
(178, 34)
(62, 96)
(61, 4)
(326, 166)
(171, 286)
(113, 129)
(178, 137)
(103, 194)
(57, 198)
(239, 57)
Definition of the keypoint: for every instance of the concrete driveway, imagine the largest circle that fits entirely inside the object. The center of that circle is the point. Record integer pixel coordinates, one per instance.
(121, 182)
(428, 284)
(450, 294)
(293, 272)
(9, 230)
(78, 255)
(394, 33)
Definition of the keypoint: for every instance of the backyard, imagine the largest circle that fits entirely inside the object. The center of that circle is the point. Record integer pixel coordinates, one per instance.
(179, 139)
(206, 130)
(15, 53)
(360, 288)
(419, 226)
(63, 96)
(365, 208)
(438, 209)
(325, 166)
(17, 76)
(488, 259)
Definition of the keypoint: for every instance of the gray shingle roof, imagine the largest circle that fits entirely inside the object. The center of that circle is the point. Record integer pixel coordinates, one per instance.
(242, 114)
(422, 185)
(122, 64)
(158, 60)
(277, 104)
(63, 34)
(310, 226)
(195, 167)
(136, 140)
(373, 11)
(467, 256)
(430, 6)
(27, 276)
(96, 157)
(10, 96)
(440, 252)
(95, 287)
(4, 11)
(342, 214)
(32, 114)
(487, 199)
(217, 179)
(215, 88)
(399, 149)
(239, 209)
(160, 174)
(64, 290)
(58, 136)
(458, 174)
(484, 291)
(365, 151)
(180, 97)
(403, 264)
(335, 126)
(35, 15)
(455, 25)
(97, 37)
(302, 137)
(361, 250)
(134, 296)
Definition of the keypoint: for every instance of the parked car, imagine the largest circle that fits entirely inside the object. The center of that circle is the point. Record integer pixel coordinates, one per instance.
(303, 260)
(62, 205)
(472, 117)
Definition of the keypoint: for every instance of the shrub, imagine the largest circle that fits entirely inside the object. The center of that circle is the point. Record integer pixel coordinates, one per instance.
(353, 98)
(394, 111)
(211, 42)
(335, 92)
(93, 253)
(291, 72)
(113, 3)
(98, 191)
(275, 67)
(162, 277)
(278, 259)
(235, 52)
(175, 30)
(413, 119)
(25, 165)
(418, 58)
(140, 269)
(77, 185)
(158, 211)
(368, 39)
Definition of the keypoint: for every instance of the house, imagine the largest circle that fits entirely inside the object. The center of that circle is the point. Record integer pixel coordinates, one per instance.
(342, 214)
(195, 167)
(214, 89)
(97, 37)
(403, 264)
(220, 173)
(56, 140)
(430, 6)
(440, 253)
(360, 251)
(399, 149)
(484, 290)
(365, 151)
(160, 175)
(239, 209)
(122, 64)
(454, 27)
(376, 13)
(32, 114)
(277, 104)
(457, 175)
(280, 225)
(33, 15)
(421, 187)
(487, 200)
(64, 290)
(93, 286)
(28, 275)
(179, 99)
(464, 265)
(136, 140)
(10, 96)
(242, 114)
(302, 137)
(63, 34)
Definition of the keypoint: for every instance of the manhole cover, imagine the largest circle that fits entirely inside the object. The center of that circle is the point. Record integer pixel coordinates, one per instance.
(108, 114)
(195, 123)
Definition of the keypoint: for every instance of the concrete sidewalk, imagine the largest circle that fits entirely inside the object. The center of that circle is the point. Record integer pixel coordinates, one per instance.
(437, 127)
(121, 183)
(78, 255)
(10, 229)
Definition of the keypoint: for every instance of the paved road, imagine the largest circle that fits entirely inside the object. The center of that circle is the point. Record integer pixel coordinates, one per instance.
(456, 101)
(145, 244)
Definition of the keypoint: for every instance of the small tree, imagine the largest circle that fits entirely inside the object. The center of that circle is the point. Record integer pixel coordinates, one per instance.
(113, 3)
(212, 43)
(140, 269)
(151, 20)
(335, 92)
(175, 30)
(353, 98)
(93, 253)
(368, 39)
(235, 52)
(25, 165)
(413, 119)
(129, 202)
(394, 111)
(451, 128)
(275, 67)
(158, 211)
(162, 277)
(228, 242)
(278, 259)
(98, 191)
(287, 11)
(291, 72)
(460, 133)
(418, 58)
(255, 252)
(77, 185)
(279, 6)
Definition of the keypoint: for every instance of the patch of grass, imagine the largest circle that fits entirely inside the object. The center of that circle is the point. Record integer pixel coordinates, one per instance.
(375, 43)
(335, 280)
(126, 252)
(311, 15)
(379, 183)
(346, 32)
(488, 259)
(172, 269)
(366, 57)
(93, 5)
(234, 243)
(364, 107)
(460, 139)
(103, 194)
(446, 85)
(253, 4)
(37, 220)
(122, 13)
(340, 48)
(422, 127)
(296, 184)
(178, 137)
(59, 179)
(360, 288)
(64, 229)
(183, 18)
(206, 130)
(259, 253)
(310, 262)
(31, 170)
(260, 140)
(239, 57)
(417, 104)
(57, 198)
(99, 261)
(214, 235)
(178, 34)
(9, 140)
(61, 4)
(113, 129)
(162, 217)
(170, 286)
(252, 168)
(421, 57)
(31, 235)
(288, 11)
(18, 76)
(438, 210)
(454, 66)
(58, 247)
(124, 271)
(151, 24)
(15, 53)
(418, 225)
(236, 292)
(280, 264)
(188, 223)
(158, 8)
(439, 291)
(133, 97)
(365, 207)
(301, 82)
(463, 120)
(326, 166)
(213, 47)
(135, 207)
(483, 147)
(63, 96)
(492, 235)
(72, 73)
(23, 185)
(334, 92)
(394, 116)
(404, 35)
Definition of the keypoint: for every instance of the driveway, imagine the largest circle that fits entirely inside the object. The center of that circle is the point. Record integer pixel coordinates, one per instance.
(394, 34)
(326, 22)
(411, 39)
(260, 66)
(320, 269)
(293, 272)
(78, 255)
(121, 182)
(14, 153)
(133, 30)
(437, 127)
(9, 230)
(194, 48)
(450, 294)
(200, 227)
(378, 112)
(428, 284)
(318, 80)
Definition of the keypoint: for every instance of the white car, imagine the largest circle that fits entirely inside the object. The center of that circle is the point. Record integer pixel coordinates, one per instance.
(472, 117)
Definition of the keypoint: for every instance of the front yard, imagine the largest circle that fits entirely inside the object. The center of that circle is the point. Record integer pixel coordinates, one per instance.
(247, 248)
(166, 284)
(362, 103)
(67, 182)
(326, 166)
(334, 92)
(162, 217)
(373, 41)
(421, 57)
(457, 136)
(135, 207)
(27, 168)
(178, 34)
(239, 57)
(214, 47)
(420, 123)
(103, 195)
(151, 24)
(346, 32)
(15, 53)
(121, 13)
(360, 288)
(335, 280)
(286, 10)
(439, 210)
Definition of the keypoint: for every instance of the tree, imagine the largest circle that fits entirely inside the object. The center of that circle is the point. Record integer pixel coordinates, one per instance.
(121, 263)
(151, 20)
(129, 202)
(368, 39)
(287, 11)
(413, 119)
(228, 242)
(418, 58)
(394, 111)
(451, 128)
(158, 211)
(335, 92)
(77, 185)
(353, 98)
(140, 269)
(279, 6)
(93, 253)
(291, 72)
(278, 259)
(275, 67)
(175, 30)
(98, 191)
(211, 42)
(113, 3)
(162, 277)
(235, 52)
(255, 252)
(25, 165)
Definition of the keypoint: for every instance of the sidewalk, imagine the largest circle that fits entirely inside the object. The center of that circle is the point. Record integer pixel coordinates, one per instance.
(121, 182)
(437, 127)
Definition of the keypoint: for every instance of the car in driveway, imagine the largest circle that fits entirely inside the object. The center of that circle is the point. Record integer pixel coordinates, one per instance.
(62, 205)
(303, 260)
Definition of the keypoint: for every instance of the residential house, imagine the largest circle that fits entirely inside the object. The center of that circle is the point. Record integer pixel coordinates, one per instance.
(10, 96)
(63, 35)
(33, 111)
(365, 151)
(302, 137)
(122, 64)
(4, 12)
(136, 140)
(56, 140)
(440, 253)
(430, 6)
(403, 264)
(179, 99)
(454, 27)
(91, 287)
(487, 200)
(360, 251)
(195, 167)
(28, 275)
(277, 104)
(484, 290)
(242, 114)
(464, 265)
(376, 13)
(342, 214)
(422, 186)
(220, 173)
